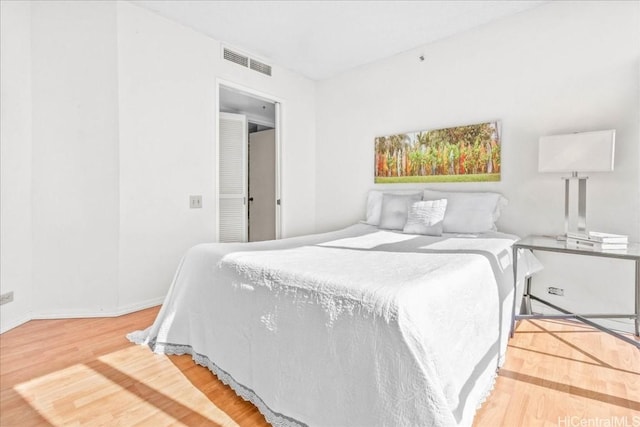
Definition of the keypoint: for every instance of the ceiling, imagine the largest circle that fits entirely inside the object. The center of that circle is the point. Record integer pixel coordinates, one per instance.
(321, 39)
(258, 111)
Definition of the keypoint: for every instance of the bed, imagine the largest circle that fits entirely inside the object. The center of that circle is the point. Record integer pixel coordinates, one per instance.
(358, 327)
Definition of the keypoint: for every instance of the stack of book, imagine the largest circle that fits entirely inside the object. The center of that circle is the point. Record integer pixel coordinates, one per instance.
(597, 241)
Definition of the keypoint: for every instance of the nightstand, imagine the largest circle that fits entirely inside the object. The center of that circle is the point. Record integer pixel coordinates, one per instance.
(550, 244)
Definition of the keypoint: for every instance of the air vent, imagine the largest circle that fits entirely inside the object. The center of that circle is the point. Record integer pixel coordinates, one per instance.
(260, 67)
(239, 59)
(245, 61)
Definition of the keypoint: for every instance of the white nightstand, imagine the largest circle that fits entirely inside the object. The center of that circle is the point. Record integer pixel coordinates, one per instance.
(550, 244)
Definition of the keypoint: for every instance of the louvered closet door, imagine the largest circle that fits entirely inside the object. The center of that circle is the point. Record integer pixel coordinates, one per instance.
(232, 149)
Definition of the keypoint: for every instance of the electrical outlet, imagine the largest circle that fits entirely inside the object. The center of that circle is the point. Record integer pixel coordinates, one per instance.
(6, 298)
(556, 291)
(195, 202)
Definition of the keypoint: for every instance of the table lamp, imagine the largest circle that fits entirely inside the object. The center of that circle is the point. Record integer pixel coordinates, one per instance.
(577, 153)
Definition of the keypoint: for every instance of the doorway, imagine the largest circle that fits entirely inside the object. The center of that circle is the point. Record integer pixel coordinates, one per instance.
(248, 166)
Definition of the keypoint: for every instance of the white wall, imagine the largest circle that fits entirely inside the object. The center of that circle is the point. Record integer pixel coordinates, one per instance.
(166, 91)
(109, 127)
(561, 67)
(75, 157)
(15, 157)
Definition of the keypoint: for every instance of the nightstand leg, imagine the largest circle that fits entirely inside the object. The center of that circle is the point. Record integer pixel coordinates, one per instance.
(526, 301)
(515, 289)
(637, 298)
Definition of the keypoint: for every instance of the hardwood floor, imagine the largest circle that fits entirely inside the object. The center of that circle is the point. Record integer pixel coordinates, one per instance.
(85, 372)
(560, 373)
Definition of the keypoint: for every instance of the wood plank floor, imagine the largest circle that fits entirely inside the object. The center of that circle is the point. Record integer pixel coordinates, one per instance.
(85, 372)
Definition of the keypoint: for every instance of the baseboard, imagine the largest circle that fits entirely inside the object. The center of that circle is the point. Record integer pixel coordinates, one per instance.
(76, 314)
(14, 323)
(138, 306)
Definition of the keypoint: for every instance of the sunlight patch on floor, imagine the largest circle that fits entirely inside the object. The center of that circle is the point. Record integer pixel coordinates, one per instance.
(128, 387)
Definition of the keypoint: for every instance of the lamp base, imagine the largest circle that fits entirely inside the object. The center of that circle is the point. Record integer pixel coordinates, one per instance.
(582, 203)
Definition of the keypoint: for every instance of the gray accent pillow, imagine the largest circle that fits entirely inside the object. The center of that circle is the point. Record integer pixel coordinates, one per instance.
(374, 203)
(426, 217)
(393, 213)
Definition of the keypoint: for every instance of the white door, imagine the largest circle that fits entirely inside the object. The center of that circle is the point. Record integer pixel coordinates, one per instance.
(232, 178)
(262, 185)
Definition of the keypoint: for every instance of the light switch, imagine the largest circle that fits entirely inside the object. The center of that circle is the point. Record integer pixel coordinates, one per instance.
(195, 202)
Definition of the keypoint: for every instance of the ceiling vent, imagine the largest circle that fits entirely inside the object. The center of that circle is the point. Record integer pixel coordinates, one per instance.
(260, 67)
(245, 61)
(236, 57)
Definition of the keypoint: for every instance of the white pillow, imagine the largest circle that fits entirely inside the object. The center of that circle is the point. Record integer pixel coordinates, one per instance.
(426, 217)
(374, 203)
(469, 212)
(393, 213)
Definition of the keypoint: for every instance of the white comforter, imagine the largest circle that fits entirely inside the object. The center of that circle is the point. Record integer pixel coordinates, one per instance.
(359, 327)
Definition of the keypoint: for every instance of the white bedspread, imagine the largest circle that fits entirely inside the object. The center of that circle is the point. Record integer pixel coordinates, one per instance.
(359, 327)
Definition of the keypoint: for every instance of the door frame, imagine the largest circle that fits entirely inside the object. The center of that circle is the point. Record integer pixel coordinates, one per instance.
(278, 121)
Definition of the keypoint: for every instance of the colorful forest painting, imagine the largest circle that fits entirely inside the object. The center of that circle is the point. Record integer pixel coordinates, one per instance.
(457, 154)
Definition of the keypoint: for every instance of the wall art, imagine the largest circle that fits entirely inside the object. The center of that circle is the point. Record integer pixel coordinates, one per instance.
(469, 153)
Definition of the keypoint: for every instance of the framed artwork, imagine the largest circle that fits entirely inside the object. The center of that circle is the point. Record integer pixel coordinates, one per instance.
(469, 153)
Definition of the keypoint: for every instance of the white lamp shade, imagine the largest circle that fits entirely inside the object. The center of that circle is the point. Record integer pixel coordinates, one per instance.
(577, 152)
